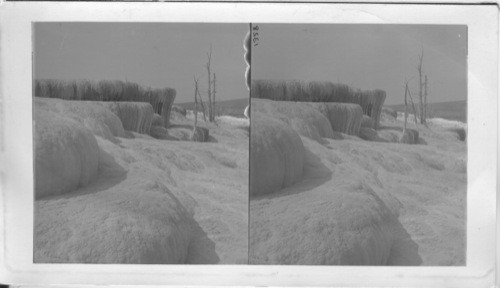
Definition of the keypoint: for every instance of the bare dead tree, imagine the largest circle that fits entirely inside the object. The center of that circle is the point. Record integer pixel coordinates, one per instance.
(202, 107)
(210, 111)
(414, 108)
(213, 96)
(195, 103)
(425, 99)
(420, 85)
(406, 107)
(197, 96)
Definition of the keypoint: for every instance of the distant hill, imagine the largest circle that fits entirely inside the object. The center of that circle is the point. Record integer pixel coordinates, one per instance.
(454, 110)
(234, 107)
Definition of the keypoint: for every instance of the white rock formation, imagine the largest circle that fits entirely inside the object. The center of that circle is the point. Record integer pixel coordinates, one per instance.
(94, 116)
(135, 116)
(367, 122)
(305, 120)
(157, 121)
(276, 155)
(66, 154)
(343, 117)
(370, 101)
(160, 99)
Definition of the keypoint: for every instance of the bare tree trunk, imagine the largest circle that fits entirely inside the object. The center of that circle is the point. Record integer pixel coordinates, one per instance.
(195, 103)
(406, 107)
(202, 107)
(425, 99)
(213, 96)
(414, 108)
(210, 112)
(420, 84)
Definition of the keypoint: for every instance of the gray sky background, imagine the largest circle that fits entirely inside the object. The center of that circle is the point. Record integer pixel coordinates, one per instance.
(151, 54)
(366, 57)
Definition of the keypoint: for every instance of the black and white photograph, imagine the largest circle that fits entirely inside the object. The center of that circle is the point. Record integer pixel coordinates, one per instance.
(141, 143)
(249, 144)
(358, 145)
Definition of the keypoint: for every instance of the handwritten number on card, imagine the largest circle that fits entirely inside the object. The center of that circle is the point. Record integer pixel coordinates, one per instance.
(255, 35)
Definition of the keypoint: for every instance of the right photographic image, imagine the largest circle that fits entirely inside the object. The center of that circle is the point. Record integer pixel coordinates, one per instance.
(358, 145)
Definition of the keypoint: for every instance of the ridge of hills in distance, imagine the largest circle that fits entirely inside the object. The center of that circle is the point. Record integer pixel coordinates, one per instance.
(452, 110)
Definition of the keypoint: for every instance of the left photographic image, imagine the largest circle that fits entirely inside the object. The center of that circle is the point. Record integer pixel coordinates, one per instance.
(141, 143)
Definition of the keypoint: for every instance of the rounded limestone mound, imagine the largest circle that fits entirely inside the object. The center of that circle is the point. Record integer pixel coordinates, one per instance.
(179, 109)
(100, 120)
(276, 155)
(390, 112)
(350, 225)
(370, 134)
(367, 122)
(185, 133)
(137, 222)
(461, 133)
(135, 116)
(99, 129)
(159, 132)
(180, 133)
(343, 117)
(157, 121)
(306, 120)
(370, 101)
(66, 154)
(200, 134)
(409, 136)
(161, 100)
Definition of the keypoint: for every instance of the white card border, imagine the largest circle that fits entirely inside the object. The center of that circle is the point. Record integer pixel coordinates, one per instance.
(17, 153)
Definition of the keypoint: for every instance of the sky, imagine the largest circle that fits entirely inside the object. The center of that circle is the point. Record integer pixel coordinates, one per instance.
(366, 56)
(154, 55)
